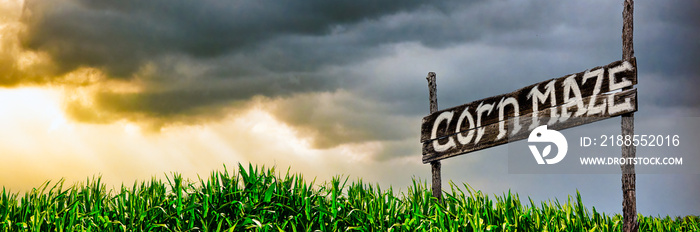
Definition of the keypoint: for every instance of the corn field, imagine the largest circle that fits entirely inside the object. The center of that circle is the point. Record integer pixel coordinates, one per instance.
(259, 199)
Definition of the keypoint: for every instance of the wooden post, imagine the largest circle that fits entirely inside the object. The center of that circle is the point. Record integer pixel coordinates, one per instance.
(629, 196)
(435, 165)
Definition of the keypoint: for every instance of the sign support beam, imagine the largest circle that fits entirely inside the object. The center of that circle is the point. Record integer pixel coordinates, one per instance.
(435, 165)
(629, 195)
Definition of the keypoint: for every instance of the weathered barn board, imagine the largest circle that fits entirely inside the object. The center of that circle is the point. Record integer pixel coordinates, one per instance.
(464, 142)
(477, 138)
(554, 92)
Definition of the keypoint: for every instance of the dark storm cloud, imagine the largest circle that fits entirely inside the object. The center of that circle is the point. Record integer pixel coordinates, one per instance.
(666, 42)
(240, 49)
(332, 119)
(120, 35)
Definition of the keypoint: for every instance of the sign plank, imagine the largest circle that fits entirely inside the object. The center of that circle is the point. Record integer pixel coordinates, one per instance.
(467, 141)
(564, 102)
(567, 91)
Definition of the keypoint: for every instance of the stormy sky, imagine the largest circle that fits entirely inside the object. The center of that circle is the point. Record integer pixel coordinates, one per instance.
(345, 78)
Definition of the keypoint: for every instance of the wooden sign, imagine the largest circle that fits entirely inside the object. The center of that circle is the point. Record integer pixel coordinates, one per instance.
(560, 103)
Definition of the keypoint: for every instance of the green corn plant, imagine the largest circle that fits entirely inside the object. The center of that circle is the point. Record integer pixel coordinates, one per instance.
(254, 198)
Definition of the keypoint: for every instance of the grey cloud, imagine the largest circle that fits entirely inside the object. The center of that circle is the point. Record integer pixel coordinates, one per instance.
(120, 35)
(332, 119)
(438, 27)
(238, 49)
(666, 46)
(668, 36)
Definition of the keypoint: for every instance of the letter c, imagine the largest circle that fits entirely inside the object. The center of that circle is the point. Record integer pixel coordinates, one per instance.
(444, 116)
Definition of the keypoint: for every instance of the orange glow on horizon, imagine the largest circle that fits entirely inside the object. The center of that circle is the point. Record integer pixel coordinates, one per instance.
(39, 142)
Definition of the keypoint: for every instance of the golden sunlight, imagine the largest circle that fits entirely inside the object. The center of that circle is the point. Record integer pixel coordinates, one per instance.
(39, 142)
(30, 109)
